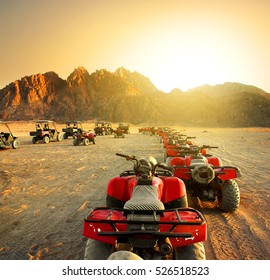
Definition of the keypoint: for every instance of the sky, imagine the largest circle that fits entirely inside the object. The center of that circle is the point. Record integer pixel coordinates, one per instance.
(175, 43)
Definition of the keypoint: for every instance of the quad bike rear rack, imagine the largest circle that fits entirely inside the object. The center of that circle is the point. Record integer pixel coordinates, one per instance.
(131, 218)
(219, 170)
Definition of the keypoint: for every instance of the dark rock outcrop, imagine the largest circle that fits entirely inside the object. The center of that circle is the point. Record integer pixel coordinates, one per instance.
(125, 96)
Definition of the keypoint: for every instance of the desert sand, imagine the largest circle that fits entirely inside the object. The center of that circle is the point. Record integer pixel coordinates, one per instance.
(46, 190)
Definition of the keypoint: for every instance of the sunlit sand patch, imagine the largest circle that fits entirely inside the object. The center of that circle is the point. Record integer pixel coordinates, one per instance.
(6, 193)
(80, 168)
(83, 206)
(9, 210)
(38, 253)
(207, 204)
(21, 209)
(50, 178)
(103, 168)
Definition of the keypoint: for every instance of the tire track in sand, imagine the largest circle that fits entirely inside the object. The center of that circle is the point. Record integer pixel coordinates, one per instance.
(231, 237)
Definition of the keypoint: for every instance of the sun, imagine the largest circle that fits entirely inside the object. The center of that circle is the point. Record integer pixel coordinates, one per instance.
(185, 60)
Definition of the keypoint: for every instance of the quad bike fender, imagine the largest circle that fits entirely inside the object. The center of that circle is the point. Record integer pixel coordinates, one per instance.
(174, 188)
(228, 173)
(178, 161)
(181, 161)
(215, 161)
(92, 229)
(171, 152)
(180, 171)
(188, 160)
(121, 188)
(89, 135)
(170, 146)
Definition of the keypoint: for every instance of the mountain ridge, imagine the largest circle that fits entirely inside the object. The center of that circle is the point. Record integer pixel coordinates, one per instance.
(125, 96)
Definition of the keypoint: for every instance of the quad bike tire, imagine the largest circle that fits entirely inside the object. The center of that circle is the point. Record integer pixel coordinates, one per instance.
(76, 142)
(34, 140)
(15, 144)
(86, 141)
(194, 251)
(46, 139)
(229, 198)
(59, 137)
(124, 255)
(96, 250)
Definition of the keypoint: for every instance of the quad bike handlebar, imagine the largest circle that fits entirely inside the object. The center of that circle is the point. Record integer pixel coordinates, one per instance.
(194, 149)
(208, 147)
(127, 157)
(152, 165)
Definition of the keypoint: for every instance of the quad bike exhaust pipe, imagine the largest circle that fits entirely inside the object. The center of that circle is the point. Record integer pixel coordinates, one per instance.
(165, 246)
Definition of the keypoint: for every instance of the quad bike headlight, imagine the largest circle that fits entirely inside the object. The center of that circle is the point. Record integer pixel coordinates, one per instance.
(203, 174)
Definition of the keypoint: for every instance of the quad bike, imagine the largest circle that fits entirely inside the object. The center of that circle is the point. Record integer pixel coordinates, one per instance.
(71, 128)
(103, 128)
(175, 146)
(148, 130)
(147, 216)
(118, 132)
(85, 138)
(206, 177)
(46, 132)
(99, 128)
(124, 127)
(7, 139)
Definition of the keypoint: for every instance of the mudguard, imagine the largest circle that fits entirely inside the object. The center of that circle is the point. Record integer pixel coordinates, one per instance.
(178, 161)
(215, 161)
(121, 188)
(173, 189)
(227, 172)
(172, 152)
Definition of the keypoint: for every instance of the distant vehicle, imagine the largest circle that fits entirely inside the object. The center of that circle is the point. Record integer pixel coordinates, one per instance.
(85, 138)
(118, 132)
(7, 139)
(124, 127)
(71, 128)
(46, 132)
(103, 128)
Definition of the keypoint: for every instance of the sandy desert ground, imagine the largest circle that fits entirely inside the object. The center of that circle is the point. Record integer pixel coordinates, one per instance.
(46, 190)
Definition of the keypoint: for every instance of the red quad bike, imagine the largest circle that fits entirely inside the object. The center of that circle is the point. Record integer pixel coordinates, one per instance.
(147, 215)
(206, 178)
(85, 138)
(118, 132)
(163, 133)
(174, 146)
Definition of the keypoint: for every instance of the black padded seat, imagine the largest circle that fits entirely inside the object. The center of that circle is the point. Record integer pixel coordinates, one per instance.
(144, 197)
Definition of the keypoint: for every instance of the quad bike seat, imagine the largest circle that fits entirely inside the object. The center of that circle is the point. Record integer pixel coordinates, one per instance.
(198, 160)
(144, 197)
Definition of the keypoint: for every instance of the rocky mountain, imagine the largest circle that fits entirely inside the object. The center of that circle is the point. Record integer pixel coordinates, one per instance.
(125, 96)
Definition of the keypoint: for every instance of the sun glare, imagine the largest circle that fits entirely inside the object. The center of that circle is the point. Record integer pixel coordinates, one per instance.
(185, 61)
